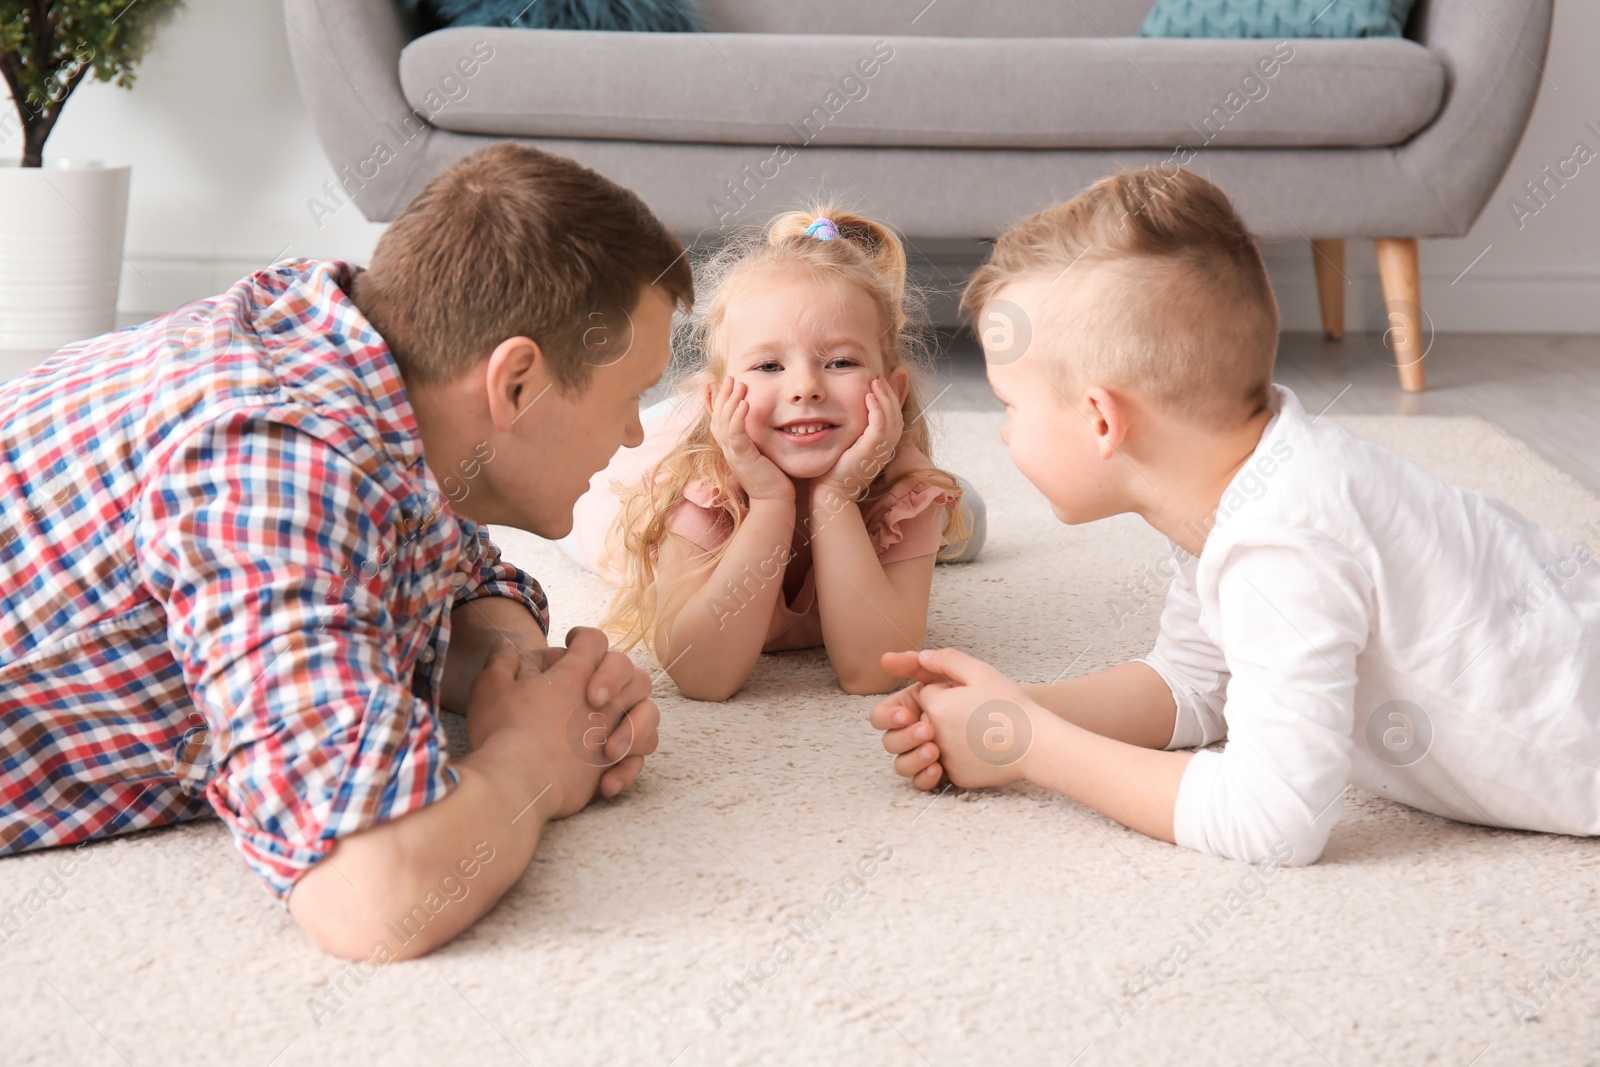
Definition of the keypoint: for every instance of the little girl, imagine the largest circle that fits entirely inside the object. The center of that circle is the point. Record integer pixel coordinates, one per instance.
(784, 498)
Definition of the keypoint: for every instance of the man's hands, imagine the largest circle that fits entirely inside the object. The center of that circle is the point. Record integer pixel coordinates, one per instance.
(960, 717)
(579, 714)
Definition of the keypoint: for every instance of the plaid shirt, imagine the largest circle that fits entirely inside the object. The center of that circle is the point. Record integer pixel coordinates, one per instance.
(226, 576)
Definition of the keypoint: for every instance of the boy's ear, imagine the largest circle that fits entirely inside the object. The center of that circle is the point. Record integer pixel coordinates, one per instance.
(1108, 419)
(518, 374)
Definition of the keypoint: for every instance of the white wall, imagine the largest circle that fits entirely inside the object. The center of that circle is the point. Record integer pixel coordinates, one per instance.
(223, 153)
(225, 160)
(1541, 277)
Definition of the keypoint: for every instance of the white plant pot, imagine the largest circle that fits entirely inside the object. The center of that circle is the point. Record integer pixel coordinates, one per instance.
(61, 230)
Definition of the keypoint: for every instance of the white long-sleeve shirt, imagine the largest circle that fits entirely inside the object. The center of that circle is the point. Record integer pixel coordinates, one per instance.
(1351, 619)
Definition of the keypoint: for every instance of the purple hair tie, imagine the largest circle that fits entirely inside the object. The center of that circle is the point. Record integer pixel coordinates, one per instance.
(822, 230)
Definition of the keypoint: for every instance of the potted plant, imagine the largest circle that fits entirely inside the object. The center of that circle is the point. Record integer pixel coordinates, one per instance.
(61, 225)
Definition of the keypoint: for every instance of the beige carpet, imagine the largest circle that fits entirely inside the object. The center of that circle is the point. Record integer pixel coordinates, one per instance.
(993, 927)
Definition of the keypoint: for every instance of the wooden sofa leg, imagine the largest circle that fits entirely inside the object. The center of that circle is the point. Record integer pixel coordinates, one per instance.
(1328, 255)
(1402, 295)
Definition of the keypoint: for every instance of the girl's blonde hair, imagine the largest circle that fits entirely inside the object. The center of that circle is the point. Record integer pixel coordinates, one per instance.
(866, 254)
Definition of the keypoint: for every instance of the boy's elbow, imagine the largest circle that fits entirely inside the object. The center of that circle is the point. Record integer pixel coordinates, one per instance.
(1287, 845)
(1260, 839)
(1304, 850)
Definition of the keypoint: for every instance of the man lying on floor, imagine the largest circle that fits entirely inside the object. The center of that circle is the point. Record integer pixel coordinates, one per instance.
(242, 562)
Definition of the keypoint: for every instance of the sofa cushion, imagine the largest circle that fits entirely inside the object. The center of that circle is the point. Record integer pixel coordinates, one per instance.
(780, 89)
(1276, 18)
(652, 16)
(932, 18)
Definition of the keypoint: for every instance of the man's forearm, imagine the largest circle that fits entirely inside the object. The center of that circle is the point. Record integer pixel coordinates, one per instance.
(395, 891)
(475, 627)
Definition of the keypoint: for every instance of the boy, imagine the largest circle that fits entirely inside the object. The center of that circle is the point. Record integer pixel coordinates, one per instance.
(1340, 615)
(243, 561)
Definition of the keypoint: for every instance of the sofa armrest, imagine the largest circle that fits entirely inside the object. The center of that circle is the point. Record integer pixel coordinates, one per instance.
(1494, 55)
(346, 56)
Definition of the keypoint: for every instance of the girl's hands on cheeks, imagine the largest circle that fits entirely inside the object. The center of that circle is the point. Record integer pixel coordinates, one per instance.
(761, 478)
(855, 470)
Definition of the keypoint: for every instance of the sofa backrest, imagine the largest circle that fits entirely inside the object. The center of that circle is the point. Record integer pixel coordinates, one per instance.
(940, 18)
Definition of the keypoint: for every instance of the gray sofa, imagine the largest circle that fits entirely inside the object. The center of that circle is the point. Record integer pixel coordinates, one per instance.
(954, 118)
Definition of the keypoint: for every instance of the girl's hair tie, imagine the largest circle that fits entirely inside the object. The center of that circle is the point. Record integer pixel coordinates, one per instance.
(822, 230)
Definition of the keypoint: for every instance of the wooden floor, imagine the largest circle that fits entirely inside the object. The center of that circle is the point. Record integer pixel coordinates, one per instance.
(1541, 388)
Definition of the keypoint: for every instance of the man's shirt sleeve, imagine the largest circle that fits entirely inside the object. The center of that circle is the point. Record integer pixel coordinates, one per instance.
(277, 559)
(495, 576)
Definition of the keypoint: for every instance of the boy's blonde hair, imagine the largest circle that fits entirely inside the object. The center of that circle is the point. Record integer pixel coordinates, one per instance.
(1193, 327)
(866, 254)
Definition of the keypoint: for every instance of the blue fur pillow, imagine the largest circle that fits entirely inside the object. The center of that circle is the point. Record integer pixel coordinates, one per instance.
(657, 16)
(1275, 18)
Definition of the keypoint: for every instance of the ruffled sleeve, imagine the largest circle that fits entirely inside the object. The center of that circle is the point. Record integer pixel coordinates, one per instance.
(908, 521)
(699, 515)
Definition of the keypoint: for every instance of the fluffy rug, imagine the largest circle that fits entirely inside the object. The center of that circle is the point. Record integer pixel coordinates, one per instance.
(772, 893)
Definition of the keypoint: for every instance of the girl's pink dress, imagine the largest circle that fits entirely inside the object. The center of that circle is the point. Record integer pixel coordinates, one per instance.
(906, 523)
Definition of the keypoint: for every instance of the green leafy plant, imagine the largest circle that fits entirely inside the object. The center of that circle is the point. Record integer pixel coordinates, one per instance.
(48, 48)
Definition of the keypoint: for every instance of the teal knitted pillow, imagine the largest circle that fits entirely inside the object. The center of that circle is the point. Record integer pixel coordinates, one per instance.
(659, 16)
(1276, 18)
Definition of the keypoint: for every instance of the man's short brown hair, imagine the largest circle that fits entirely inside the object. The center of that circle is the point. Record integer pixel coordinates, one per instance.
(513, 241)
(1192, 323)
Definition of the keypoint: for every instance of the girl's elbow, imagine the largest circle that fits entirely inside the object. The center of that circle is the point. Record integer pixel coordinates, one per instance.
(697, 676)
(708, 694)
(863, 683)
(707, 688)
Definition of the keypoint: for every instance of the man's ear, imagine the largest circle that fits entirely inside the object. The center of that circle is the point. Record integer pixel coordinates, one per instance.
(518, 374)
(1108, 419)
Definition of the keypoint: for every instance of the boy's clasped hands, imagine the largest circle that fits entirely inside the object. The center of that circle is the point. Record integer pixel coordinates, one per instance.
(960, 719)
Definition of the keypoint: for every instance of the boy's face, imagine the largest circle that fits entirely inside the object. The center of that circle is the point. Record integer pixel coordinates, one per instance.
(568, 439)
(1050, 440)
(807, 350)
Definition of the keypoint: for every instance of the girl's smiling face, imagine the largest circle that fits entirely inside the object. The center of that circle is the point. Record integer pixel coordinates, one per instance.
(807, 350)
